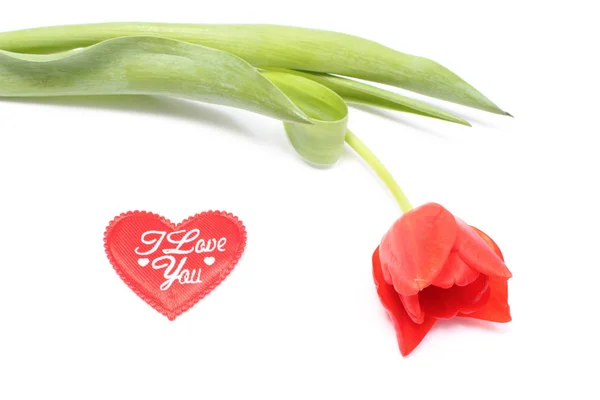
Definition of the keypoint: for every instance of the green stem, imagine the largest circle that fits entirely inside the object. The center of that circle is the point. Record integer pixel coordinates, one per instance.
(363, 151)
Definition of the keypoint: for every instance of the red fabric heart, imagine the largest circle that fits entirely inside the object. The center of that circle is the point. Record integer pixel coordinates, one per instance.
(173, 266)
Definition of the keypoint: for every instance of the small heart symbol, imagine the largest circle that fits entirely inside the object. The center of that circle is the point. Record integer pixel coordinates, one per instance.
(142, 262)
(209, 260)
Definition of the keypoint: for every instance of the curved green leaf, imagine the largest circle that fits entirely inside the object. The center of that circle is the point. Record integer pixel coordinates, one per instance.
(315, 118)
(321, 143)
(147, 65)
(271, 46)
(361, 93)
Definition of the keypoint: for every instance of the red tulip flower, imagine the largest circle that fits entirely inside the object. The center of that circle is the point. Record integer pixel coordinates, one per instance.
(431, 265)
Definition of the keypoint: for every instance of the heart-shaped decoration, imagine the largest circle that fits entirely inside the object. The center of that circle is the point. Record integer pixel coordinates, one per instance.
(209, 260)
(173, 266)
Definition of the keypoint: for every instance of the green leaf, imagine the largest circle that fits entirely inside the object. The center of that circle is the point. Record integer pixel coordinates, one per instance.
(315, 118)
(271, 46)
(321, 143)
(361, 93)
(147, 65)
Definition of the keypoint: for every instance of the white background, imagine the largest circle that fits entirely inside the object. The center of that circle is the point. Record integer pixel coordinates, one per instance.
(299, 317)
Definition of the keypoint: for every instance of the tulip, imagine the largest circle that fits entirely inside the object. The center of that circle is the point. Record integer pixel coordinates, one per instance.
(431, 265)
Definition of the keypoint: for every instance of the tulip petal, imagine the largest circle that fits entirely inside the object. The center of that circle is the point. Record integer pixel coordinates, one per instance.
(490, 242)
(476, 252)
(413, 308)
(455, 272)
(417, 246)
(408, 333)
(496, 309)
(447, 303)
(473, 297)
